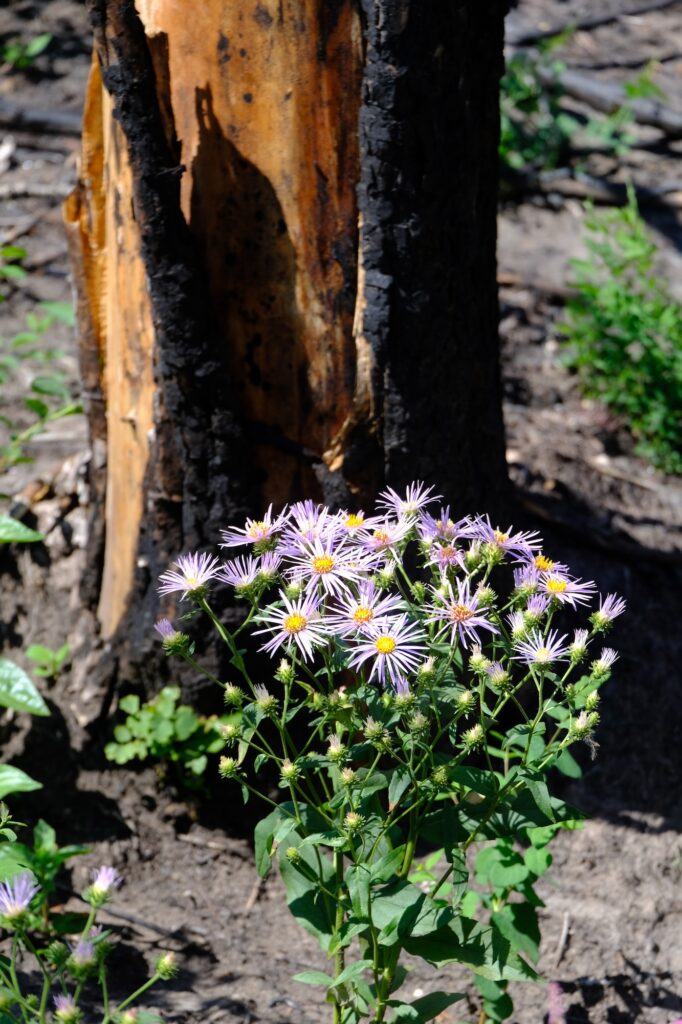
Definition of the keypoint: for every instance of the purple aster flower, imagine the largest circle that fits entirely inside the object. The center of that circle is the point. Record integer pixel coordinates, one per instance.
(445, 556)
(517, 624)
(537, 605)
(384, 536)
(255, 531)
(359, 613)
(443, 528)
(541, 650)
(579, 642)
(240, 573)
(604, 662)
(565, 589)
(544, 564)
(165, 629)
(397, 647)
(65, 1010)
(269, 566)
(195, 571)
(83, 951)
(16, 895)
(460, 614)
(416, 497)
(527, 577)
(520, 544)
(322, 564)
(105, 879)
(298, 622)
(307, 522)
(610, 607)
(348, 524)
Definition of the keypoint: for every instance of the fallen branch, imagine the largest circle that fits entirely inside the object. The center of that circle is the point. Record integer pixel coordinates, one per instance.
(563, 939)
(578, 185)
(519, 37)
(609, 97)
(53, 122)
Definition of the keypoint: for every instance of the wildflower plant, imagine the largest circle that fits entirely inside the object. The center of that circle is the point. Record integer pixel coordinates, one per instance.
(417, 702)
(68, 970)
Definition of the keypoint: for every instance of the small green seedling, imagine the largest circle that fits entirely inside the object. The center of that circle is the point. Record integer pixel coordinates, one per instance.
(48, 663)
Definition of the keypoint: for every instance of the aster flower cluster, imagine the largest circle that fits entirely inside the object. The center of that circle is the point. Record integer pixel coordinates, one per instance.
(64, 966)
(442, 665)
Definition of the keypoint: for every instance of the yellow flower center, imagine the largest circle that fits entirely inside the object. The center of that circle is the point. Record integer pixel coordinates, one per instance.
(447, 553)
(543, 654)
(323, 564)
(382, 537)
(448, 525)
(385, 645)
(354, 520)
(543, 563)
(258, 530)
(556, 586)
(362, 615)
(295, 623)
(501, 537)
(460, 612)
(192, 581)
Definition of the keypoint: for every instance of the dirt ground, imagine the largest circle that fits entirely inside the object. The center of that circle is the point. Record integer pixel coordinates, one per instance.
(612, 925)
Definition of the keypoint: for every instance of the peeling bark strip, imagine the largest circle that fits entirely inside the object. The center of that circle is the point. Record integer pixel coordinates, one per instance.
(428, 135)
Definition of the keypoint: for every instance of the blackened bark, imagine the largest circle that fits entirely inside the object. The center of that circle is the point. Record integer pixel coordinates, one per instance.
(429, 130)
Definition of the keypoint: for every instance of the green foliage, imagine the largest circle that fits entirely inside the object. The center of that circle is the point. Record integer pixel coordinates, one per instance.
(14, 532)
(48, 663)
(49, 397)
(165, 730)
(20, 54)
(623, 334)
(537, 133)
(44, 858)
(10, 270)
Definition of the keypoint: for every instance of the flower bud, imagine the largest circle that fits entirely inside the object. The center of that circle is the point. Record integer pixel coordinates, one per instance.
(289, 771)
(336, 750)
(293, 590)
(418, 724)
(404, 702)
(498, 676)
(353, 822)
(229, 731)
(232, 695)
(228, 767)
(384, 578)
(439, 777)
(285, 672)
(466, 701)
(473, 557)
(578, 648)
(486, 596)
(473, 737)
(592, 701)
(57, 953)
(583, 725)
(478, 662)
(266, 701)
(166, 966)
(426, 672)
(293, 855)
(492, 554)
(373, 730)
(65, 1010)
(348, 776)
(418, 592)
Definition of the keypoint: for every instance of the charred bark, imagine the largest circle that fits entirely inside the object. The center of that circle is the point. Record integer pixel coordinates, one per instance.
(284, 238)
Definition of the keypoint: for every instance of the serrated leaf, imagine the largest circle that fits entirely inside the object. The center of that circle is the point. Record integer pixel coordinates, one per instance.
(18, 692)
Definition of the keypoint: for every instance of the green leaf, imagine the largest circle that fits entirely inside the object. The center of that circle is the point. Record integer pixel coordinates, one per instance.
(14, 532)
(568, 765)
(39, 653)
(12, 861)
(403, 909)
(352, 971)
(44, 837)
(425, 1009)
(18, 692)
(474, 945)
(270, 830)
(13, 780)
(314, 978)
(399, 783)
(130, 704)
(70, 923)
(518, 922)
(305, 900)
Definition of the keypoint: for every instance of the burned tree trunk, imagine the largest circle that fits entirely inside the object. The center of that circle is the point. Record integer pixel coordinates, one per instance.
(284, 242)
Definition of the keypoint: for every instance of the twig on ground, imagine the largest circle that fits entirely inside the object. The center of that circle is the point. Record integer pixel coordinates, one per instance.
(578, 185)
(23, 227)
(508, 279)
(56, 122)
(607, 470)
(254, 896)
(34, 190)
(563, 939)
(519, 37)
(211, 844)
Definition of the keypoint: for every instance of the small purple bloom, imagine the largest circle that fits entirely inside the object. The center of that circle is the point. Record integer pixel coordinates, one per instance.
(358, 614)
(565, 589)
(443, 528)
(83, 952)
(541, 650)
(537, 604)
(520, 544)
(239, 573)
(195, 571)
(459, 613)
(105, 879)
(255, 531)
(605, 660)
(416, 497)
(609, 609)
(16, 895)
(297, 622)
(65, 1009)
(397, 647)
(445, 556)
(165, 629)
(384, 536)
